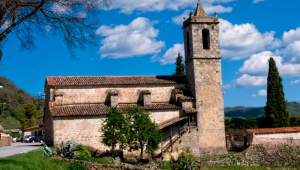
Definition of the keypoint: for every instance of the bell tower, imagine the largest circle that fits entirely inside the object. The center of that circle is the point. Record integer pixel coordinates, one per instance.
(203, 72)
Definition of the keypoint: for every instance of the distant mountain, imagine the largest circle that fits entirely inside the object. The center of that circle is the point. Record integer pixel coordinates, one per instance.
(244, 112)
(12, 99)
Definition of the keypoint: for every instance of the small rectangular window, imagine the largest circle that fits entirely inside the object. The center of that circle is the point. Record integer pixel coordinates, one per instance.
(187, 44)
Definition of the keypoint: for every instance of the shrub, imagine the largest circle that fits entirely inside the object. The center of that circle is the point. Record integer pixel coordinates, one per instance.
(184, 161)
(46, 151)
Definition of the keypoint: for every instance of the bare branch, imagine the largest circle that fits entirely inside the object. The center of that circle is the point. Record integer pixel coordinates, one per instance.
(73, 20)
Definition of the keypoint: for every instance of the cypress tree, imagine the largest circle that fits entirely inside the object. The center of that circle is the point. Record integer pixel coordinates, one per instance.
(276, 108)
(179, 66)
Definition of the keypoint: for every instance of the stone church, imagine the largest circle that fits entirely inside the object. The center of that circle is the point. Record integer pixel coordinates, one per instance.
(189, 109)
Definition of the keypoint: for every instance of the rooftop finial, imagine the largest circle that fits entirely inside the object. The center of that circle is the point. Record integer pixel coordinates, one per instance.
(199, 11)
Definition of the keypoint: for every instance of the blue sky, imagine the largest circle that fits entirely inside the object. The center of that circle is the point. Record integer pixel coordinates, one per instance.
(143, 38)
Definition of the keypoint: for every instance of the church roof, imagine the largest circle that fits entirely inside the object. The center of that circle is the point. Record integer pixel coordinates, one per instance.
(101, 109)
(114, 80)
(200, 11)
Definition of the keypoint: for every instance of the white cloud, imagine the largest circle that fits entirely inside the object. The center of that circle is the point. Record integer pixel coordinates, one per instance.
(258, 64)
(170, 55)
(295, 82)
(135, 39)
(291, 53)
(129, 6)
(5, 25)
(241, 41)
(61, 7)
(256, 1)
(250, 81)
(179, 19)
(47, 28)
(291, 36)
(260, 93)
(227, 86)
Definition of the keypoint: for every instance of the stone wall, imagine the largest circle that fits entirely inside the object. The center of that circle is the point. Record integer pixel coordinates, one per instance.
(263, 152)
(188, 141)
(5, 141)
(161, 116)
(209, 104)
(126, 93)
(87, 129)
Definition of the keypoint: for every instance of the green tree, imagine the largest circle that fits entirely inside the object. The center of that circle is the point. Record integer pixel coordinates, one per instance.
(28, 116)
(113, 128)
(179, 66)
(142, 131)
(276, 107)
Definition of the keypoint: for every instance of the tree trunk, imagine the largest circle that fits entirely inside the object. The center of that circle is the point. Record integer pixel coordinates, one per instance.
(142, 151)
(0, 55)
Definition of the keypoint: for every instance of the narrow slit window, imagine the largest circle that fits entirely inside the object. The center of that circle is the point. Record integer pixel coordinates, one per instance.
(206, 39)
(187, 44)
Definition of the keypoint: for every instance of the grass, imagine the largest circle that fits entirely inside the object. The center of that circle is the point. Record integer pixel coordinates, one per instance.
(31, 161)
(34, 160)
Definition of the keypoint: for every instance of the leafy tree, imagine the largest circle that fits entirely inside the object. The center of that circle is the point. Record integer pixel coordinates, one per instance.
(142, 132)
(276, 107)
(113, 128)
(74, 20)
(179, 66)
(28, 116)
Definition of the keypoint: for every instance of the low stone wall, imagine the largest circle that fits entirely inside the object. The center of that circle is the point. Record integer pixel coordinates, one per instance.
(263, 152)
(96, 166)
(5, 141)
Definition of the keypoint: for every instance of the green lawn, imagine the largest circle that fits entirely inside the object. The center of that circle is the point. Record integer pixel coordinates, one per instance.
(34, 160)
(31, 161)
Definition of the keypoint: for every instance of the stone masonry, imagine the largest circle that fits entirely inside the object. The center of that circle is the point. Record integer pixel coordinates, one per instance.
(205, 81)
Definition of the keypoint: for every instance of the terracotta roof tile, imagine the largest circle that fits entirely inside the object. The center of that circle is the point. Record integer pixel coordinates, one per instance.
(275, 130)
(33, 127)
(190, 110)
(170, 122)
(181, 97)
(114, 80)
(101, 109)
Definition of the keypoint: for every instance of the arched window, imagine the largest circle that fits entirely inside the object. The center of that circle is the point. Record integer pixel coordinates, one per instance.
(206, 39)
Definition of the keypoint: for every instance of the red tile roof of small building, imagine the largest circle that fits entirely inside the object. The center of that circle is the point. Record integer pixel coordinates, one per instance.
(101, 109)
(275, 130)
(113, 80)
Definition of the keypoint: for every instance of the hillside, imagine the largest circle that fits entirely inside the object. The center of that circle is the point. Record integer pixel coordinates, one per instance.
(13, 99)
(241, 111)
